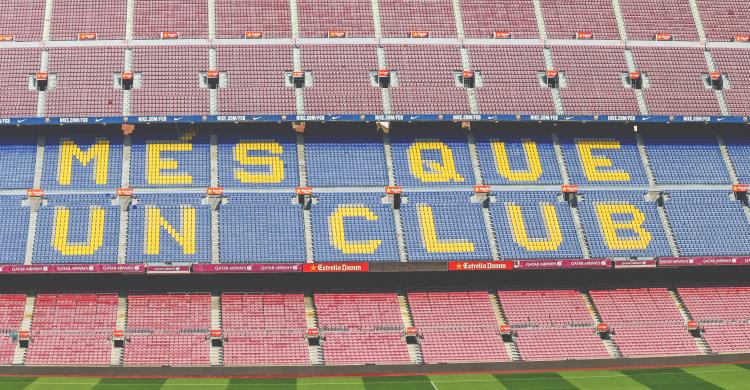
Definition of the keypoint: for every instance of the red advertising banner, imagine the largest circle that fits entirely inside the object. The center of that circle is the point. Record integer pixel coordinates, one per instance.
(482, 189)
(584, 35)
(215, 333)
(702, 261)
(739, 187)
(6, 38)
(125, 191)
(253, 35)
(394, 190)
(169, 35)
(212, 74)
(742, 38)
(247, 268)
(505, 329)
(419, 34)
(215, 191)
(167, 269)
(560, 264)
(126, 75)
(480, 265)
(620, 264)
(602, 327)
(118, 333)
(569, 188)
(411, 331)
(337, 34)
(72, 268)
(337, 267)
(89, 36)
(502, 35)
(35, 193)
(313, 332)
(663, 37)
(303, 190)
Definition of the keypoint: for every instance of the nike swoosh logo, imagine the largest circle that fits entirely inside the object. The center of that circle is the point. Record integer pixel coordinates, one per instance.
(491, 117)
(335, 117)
(178, 118)
(21, 121)
(414, 117)
(255, 118)
(720, 119)
(646, 118)
(567, 118)
(99, 120)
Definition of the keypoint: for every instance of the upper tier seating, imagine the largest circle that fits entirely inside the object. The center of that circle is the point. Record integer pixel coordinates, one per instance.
(426, 82)
(361, 328)
(724, 19)
(735, 64)
(400, 17)
(72, 17)
(255, 86)
(675, 80)
(564, 19)
(188, 18)
(645, 18)
(533, 225)
(354, 17)
(170, 80)
(270, 17)
(644, 321)
(341, 80)
(168, 329)
(85, 81)
(593, 80)
(456, 327)
(24, 19)
(72, 329)
(483, 17)
(510, 77)
(264, 329)
(170, 159)
(17, 65)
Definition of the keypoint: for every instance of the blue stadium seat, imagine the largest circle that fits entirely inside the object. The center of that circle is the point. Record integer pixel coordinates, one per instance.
(708, 223)
(610, 220)
(184, 155)
(515, 146)
(345, 156)
(557, 242)
(606, 157)
(165, 246)
(267, 159)
(693, 158)
(738, 146)
(82, 159)
(261, 228)
(439, 146)
(368, 234)
(93, 225)
(17, 159)
(14, 230)
(452, 227)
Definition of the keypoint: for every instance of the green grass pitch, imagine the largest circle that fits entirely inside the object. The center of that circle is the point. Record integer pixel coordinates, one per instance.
(697, 377)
